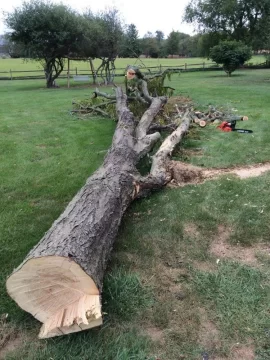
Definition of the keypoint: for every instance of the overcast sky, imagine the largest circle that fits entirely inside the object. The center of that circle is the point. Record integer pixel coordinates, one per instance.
(147, 15)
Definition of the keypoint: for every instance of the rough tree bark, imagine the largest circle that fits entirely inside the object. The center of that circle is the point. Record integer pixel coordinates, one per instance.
(60, 281)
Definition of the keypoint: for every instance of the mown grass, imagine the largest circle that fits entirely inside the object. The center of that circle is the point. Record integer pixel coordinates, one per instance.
(163, 286)
(246, 94)
(240, 300)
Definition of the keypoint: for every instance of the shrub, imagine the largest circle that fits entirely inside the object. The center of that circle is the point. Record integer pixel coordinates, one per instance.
(231, 54)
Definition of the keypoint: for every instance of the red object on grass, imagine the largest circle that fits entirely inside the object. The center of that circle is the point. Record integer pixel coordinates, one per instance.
(225, 126)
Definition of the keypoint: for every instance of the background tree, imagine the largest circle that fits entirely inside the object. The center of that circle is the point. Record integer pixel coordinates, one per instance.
(172, 43)
(207, 41)
(130, 45)
(150, 45)
(160, 37)
(47, 32)
(185, 44)
(231, 54)
(106, 42)
(240, 20)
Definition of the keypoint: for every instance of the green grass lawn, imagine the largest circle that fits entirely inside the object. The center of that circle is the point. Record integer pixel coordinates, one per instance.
(165, 294)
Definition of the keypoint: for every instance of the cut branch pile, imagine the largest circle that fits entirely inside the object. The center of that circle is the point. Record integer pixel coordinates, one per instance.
(215, 116)
(139, 88)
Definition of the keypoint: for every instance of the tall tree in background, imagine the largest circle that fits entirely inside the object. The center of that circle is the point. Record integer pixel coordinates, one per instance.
(207, 40)
(102, 39)
(159, 36)
(242, 20)
(131, 44)
(184, 44)
(46, 31)
(172, 43)
(160, 43)
(110, 38)
(150, 45)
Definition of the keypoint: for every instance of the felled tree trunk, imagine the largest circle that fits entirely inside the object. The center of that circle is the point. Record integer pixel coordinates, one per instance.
(60, 281)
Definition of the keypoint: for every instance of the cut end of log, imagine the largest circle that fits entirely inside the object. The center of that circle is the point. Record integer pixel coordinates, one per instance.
(202, 123)
(57, 292)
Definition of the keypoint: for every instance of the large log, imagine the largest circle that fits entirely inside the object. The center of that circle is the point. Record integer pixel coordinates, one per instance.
(60, 281)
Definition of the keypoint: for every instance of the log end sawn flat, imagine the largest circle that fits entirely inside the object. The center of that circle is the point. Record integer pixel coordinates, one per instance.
(57, 292)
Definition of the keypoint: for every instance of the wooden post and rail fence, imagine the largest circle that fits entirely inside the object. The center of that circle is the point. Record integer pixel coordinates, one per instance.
(69, 73)
(88, 75)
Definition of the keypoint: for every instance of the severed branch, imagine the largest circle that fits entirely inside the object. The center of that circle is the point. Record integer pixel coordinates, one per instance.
(160, 173)
(160, 159)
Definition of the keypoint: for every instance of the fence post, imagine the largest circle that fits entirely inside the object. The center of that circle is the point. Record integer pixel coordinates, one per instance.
(76, 71)
(185, 66)
(10, 74)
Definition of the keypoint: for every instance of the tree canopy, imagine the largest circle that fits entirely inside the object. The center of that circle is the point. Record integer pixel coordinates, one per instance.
(130, 46)
(48, 32)
(102, 39)
(245, 20)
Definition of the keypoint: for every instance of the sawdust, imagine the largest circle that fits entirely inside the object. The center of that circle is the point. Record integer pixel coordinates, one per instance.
(185, 174)
(246, 255)
(252, 172)
(242, 172)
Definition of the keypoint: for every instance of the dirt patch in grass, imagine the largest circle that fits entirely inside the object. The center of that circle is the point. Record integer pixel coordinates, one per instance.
(10, 337)
(240, 352)
(191, 229)
(244, 352)
(204, 266)
(209, 336)
(155, 334)
(168, 275)
(246, 255)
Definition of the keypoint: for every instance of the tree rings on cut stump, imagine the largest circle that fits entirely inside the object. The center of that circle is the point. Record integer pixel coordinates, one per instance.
(57, 292)
(202, 123)
(130, 74)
